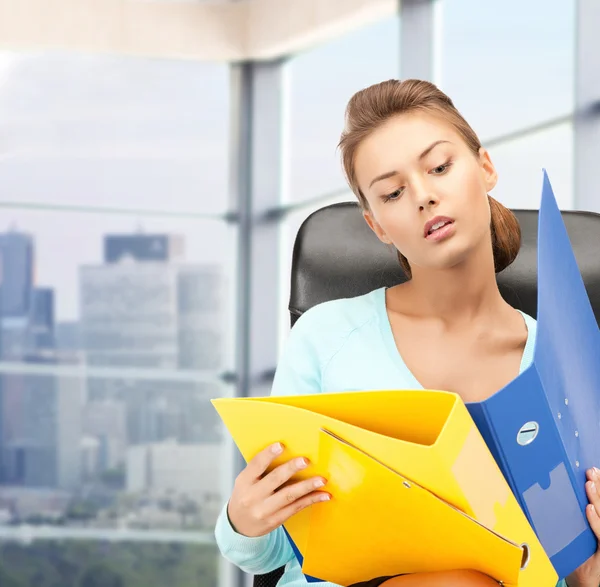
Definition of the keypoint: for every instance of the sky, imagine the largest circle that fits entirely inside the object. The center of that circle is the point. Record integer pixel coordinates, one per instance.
(154, 134)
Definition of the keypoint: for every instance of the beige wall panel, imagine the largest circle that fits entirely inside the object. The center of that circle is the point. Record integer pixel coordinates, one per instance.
(219, 31)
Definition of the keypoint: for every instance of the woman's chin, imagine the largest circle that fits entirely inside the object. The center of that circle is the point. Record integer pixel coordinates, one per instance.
(446, 264)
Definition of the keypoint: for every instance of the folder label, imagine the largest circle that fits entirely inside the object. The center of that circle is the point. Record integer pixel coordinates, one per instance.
(555, 511)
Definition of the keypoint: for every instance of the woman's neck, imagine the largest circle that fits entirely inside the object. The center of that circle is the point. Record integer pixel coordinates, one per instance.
(456, 295)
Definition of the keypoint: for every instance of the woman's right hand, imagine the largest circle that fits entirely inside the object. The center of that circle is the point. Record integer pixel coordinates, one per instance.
(260, 503)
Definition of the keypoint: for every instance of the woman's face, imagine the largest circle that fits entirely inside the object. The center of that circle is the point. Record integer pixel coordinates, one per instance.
(427, 191)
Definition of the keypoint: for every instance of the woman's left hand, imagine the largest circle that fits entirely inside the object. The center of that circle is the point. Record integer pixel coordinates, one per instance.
(588, 574)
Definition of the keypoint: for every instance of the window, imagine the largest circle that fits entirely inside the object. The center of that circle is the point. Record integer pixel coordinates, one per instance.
(508, 66)
(321, 82)
(116, 323)
(114, 132)
(520, 162)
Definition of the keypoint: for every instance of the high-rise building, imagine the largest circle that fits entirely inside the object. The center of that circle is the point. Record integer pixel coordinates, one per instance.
(42, 432)
(105, 425)
(176, 469)
(16, 273)
(200, 317)
(41, 318)
(142, 247)
(26, 334)
(39, 413)
(16, 284)
(15, 338)
(159, 316)
(67, 337)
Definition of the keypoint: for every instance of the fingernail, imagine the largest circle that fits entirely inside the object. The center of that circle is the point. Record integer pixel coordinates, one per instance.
(277, 449)
(319, 482)
(301, 463)
(325, 497)
(592, 486)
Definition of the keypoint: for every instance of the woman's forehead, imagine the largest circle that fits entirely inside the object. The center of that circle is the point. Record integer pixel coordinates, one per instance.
(401, 141)
(411, 132)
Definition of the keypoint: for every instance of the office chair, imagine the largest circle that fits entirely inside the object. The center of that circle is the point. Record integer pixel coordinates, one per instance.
(337, 255)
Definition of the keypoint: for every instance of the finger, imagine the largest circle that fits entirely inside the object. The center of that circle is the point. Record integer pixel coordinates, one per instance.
(287, 512)
(282, 474)
(257, 466)
(593, 509)
(291, 493)
(593, 476)
(594, 520)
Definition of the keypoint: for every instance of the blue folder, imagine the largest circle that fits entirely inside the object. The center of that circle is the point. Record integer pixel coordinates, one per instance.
(543, 428)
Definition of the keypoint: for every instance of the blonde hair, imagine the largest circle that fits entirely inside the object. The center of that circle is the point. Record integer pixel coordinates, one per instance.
(368, 109)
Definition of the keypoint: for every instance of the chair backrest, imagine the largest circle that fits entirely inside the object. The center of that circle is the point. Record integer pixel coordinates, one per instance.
(337, 255)
(268, 579)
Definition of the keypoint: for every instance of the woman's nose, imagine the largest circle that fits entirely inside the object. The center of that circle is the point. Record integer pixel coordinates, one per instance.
(424, 196)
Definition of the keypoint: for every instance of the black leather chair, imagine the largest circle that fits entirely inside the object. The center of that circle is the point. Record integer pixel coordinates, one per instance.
(337, 255)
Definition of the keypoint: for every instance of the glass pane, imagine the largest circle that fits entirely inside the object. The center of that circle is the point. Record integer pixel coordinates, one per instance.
(114, 131)
(508, 65)
(115, 335)
(135, 292)
(320, 84)
(520, 162)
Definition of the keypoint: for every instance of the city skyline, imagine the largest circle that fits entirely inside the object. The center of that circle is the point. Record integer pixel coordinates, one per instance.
(125, 254)
(143, 306)
(62, 274)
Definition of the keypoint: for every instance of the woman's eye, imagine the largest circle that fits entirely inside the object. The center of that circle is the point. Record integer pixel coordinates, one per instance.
(441, 168)
(393, 196)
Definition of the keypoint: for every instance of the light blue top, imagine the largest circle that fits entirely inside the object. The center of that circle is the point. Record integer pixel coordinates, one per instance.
(342, 345)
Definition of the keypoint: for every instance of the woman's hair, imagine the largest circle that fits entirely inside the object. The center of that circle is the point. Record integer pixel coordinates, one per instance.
(375, 105)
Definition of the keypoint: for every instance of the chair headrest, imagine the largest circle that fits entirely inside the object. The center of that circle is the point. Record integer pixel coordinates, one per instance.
(336, 255)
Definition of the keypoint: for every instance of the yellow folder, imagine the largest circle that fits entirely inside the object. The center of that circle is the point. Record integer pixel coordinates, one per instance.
(414, 486)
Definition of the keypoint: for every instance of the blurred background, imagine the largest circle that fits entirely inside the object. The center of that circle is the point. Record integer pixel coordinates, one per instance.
(156, 160)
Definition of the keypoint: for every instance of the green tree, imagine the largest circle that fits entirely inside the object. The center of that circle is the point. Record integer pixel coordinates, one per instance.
(83, 563)
(8, 580)
(81, 510)
(101, 576)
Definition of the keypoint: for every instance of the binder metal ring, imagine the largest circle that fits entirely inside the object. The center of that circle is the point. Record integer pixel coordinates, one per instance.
(528, 433)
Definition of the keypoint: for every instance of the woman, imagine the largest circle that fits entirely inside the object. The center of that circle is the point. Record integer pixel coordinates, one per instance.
(422, 180)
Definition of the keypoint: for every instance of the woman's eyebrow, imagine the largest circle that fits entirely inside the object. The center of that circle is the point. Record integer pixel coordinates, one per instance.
(422, 156)
(431, 148)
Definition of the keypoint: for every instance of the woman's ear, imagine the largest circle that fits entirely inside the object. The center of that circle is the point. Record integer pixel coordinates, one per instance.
(490, 175)
(376, 227)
